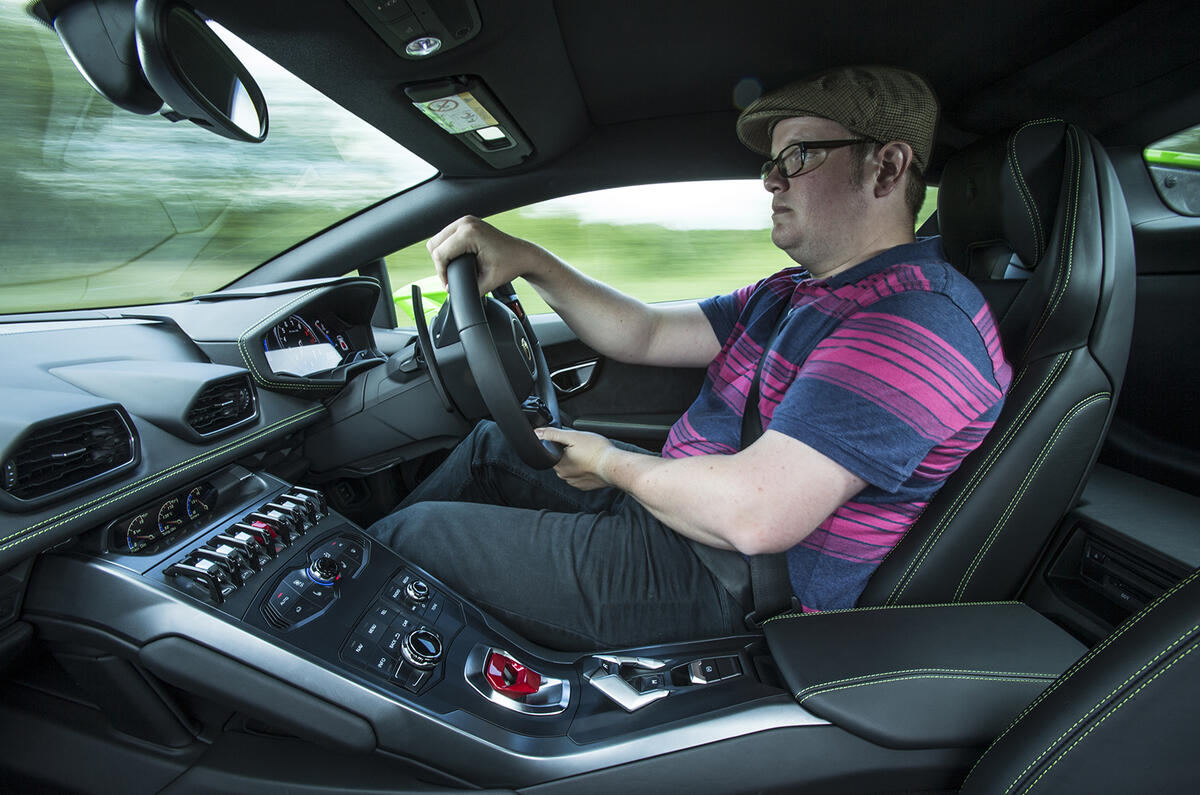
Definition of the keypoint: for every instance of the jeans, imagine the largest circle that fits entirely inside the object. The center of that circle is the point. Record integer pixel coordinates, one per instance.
(568, 569)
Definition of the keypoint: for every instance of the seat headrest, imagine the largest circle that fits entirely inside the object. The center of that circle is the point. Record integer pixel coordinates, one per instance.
(999, 197)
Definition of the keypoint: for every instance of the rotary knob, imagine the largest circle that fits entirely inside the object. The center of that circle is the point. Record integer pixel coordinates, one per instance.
(422, 648)
(323, 571)
(417, 590)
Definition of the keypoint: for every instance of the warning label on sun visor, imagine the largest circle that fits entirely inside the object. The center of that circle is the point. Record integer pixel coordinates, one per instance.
(457, 113)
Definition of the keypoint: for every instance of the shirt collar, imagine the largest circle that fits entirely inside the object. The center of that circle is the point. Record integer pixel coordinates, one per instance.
(923, 249)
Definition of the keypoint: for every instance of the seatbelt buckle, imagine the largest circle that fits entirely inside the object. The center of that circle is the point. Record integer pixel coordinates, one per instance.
(755, 618)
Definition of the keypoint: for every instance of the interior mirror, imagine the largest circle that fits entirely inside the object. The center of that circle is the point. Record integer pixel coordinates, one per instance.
(193, 71)
(98, 35)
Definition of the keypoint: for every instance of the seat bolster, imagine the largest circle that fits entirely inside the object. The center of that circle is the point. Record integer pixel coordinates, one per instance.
(1122, 719)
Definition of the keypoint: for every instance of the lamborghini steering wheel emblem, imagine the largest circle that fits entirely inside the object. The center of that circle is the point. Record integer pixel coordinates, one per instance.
(527, 352)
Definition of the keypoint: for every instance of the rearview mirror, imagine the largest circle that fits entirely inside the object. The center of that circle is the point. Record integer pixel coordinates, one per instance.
(195, 73)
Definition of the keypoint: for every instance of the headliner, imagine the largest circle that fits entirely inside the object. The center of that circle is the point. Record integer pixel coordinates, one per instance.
(1129, 72)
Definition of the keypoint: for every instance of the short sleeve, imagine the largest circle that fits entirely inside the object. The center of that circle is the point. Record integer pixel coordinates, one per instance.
(890, 383)
(723, 311)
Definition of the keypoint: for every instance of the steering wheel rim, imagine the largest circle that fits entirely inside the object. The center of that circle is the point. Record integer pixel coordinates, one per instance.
(484, 360)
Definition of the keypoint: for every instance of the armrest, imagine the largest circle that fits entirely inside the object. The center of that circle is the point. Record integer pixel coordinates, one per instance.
(920, 676)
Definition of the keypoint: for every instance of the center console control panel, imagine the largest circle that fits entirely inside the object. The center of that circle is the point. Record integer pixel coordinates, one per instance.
(405, 633)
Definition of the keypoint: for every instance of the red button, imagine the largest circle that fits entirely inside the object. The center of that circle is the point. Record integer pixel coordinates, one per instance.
(510, 678)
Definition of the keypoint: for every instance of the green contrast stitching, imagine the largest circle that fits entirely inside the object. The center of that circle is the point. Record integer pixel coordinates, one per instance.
(931, 541)
(147, 481)
(1101, 703)
(1067, 253)
(1029, 477)
(1085, 659)
(924, 676)
(254, 327)
(888, 675)
(1109, 714)
(885, 607)
(1018, 175)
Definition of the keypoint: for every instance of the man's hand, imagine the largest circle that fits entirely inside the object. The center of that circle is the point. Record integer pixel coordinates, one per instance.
(585, 457)
(501, 257)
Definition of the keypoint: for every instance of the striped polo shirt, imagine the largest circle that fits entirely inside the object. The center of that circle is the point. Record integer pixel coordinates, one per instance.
(892, 368)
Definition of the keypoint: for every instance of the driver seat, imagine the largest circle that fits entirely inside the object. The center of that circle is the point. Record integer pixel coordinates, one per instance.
(1038, 221)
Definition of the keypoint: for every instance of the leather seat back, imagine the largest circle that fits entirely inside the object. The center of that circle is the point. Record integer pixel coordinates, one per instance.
(1122, 719)
(1038, 220)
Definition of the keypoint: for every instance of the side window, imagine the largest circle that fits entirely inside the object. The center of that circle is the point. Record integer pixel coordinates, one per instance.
(1174, 164)
(661, 242)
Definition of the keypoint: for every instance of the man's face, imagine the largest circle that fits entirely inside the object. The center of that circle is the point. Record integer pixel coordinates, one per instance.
(815, 215)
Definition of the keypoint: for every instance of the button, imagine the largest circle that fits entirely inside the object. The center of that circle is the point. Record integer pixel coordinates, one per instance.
(298, 581)
(404, 624)
(384, 612)
(284, 598)
(353, 551)
(403, 579)
(383, 663)
(728, 666)
(392, 640)
(359, 651)
(402, 673)
(405, 27)
(417, 679)
(373, 628)
(319, 595)
(394, 593)
(702, 672)
(433, 607)
(650, 682)
(300, 610)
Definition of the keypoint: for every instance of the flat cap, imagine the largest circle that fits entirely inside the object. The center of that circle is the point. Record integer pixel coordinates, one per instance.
(878, 102)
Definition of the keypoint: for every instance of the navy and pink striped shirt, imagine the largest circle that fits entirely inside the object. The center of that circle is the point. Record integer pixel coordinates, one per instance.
(892, 368)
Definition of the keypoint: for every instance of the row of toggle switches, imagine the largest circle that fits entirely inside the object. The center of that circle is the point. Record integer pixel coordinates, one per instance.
(228, 560)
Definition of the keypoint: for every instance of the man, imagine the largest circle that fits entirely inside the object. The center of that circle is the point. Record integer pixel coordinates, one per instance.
(882, 371)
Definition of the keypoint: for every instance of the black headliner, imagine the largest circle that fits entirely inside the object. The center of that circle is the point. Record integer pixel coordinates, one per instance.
(1127, 71)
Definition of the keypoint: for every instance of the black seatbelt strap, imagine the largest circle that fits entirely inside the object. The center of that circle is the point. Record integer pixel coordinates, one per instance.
(769, 580)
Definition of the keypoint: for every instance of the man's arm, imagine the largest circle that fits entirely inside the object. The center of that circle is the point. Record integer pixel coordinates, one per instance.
(610, 322)
(763, 499)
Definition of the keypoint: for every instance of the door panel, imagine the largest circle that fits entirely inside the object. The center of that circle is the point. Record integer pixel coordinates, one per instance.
(627, 402)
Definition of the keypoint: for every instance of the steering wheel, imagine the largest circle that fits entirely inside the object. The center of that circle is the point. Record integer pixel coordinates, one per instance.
(479, 330)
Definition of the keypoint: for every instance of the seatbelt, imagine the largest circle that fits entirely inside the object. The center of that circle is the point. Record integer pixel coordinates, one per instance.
(769, 580)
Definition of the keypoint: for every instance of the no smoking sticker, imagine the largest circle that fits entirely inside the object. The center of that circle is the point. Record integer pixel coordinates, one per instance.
(457, 113)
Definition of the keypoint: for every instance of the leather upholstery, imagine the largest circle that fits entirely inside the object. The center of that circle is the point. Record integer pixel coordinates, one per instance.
(929, 676)
(1047, 194)
(1122, 719)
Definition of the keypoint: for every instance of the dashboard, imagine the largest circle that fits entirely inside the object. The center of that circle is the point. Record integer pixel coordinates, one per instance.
(114, 419)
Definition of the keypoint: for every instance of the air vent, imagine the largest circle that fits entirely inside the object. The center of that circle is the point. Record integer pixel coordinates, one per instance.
(223, 405)
(68, 453)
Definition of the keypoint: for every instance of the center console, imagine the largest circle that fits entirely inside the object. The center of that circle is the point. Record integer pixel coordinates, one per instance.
(252, 593)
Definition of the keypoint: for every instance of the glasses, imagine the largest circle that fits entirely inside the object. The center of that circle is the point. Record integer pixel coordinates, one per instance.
(804, 156)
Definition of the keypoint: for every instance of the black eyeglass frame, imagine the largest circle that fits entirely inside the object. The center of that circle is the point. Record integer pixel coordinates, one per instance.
(805, 147)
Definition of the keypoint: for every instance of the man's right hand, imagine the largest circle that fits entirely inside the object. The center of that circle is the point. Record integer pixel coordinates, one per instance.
(501, 258)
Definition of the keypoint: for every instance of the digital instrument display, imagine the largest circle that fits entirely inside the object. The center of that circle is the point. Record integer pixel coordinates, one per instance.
(298, 346)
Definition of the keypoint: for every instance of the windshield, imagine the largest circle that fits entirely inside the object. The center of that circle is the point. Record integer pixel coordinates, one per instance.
(101, 207)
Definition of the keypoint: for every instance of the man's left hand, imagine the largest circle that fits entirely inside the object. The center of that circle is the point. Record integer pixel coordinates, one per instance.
(584, 456)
